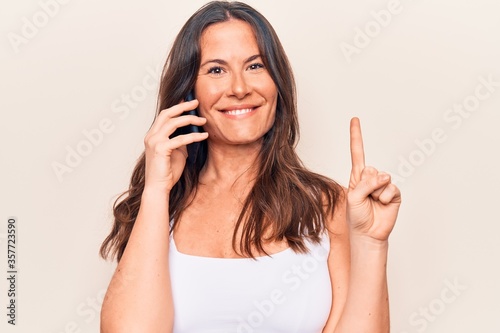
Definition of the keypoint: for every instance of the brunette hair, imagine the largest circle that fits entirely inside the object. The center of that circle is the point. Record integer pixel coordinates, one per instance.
(286, 200)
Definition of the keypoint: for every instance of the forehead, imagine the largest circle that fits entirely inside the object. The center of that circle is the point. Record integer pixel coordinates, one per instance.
(228, 37)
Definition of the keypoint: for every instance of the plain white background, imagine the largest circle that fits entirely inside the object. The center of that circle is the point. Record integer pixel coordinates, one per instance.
(94, 64)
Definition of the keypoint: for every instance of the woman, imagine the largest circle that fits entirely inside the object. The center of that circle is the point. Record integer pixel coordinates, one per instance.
(240, 237)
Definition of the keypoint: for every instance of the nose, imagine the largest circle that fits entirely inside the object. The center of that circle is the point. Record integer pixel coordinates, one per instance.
(240, 86)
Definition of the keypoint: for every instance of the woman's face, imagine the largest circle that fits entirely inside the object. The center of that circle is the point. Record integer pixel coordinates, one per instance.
(235, 91)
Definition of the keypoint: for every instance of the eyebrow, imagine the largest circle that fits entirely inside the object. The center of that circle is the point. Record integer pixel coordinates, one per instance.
(223, 62)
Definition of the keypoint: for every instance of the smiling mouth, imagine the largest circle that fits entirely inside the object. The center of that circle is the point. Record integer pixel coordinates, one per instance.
(238, 112)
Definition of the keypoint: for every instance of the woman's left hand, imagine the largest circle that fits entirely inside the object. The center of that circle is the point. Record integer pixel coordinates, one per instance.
(372, 200)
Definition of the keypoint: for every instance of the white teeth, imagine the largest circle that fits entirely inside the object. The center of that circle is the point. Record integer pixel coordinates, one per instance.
(238, 112)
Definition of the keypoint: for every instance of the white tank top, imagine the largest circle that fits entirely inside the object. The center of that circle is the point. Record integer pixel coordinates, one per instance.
(284, 293)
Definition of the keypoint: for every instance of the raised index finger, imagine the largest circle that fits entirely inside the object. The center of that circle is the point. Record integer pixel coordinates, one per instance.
(357, 150)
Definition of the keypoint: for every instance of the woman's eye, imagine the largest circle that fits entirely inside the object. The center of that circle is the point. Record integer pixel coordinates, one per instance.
(256, 66)
(215, 70)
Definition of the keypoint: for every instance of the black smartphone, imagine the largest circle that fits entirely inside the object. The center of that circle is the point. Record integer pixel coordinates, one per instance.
(189, 128)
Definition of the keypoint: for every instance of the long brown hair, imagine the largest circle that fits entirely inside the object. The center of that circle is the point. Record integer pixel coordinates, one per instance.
(287, 200)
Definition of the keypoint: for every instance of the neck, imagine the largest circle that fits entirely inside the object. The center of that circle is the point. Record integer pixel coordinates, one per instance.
(231, 165)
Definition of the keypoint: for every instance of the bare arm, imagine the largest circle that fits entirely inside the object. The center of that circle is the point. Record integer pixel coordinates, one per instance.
(367, 304)
(139, 296)
(339, 262)
(370, 213)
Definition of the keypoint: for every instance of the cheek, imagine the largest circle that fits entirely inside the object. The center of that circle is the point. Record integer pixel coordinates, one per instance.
(271, 89)
(273, 98)
(207, 95)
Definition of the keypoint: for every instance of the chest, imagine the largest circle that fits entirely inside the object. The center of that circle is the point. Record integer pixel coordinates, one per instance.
(207, 226)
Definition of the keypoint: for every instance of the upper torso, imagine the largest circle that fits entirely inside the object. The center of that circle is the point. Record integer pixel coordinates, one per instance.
(216, 290)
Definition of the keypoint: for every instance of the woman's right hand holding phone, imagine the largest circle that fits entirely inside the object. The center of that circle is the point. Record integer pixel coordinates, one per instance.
(166, 157)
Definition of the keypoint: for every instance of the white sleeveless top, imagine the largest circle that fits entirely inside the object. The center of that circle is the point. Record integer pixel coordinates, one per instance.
(284, 293)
